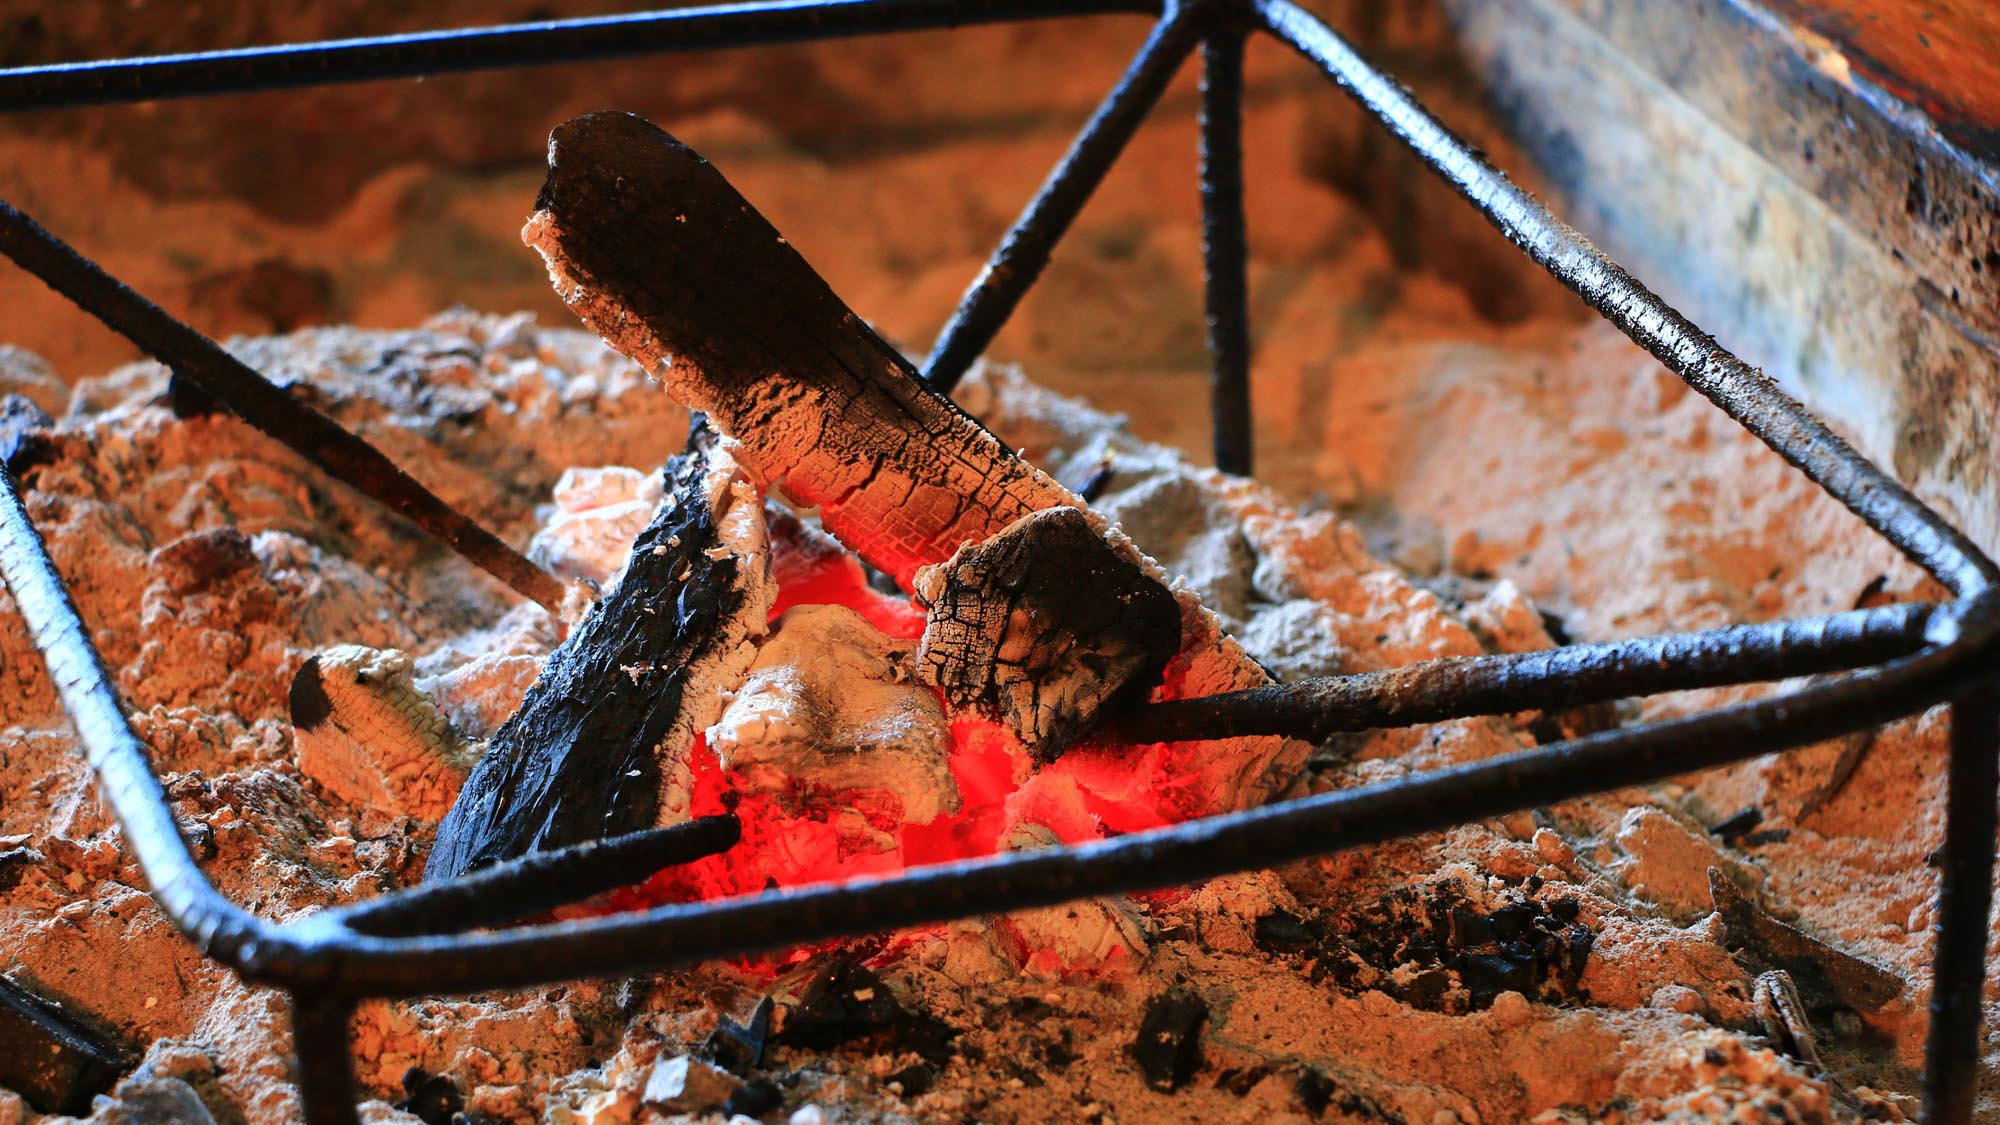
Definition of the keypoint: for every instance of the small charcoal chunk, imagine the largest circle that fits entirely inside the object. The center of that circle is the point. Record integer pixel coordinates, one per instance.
(740, 1046)
(1168, 1049)
(431, 1098)
(754, 1098)
(49, 1057)
(1045, 626)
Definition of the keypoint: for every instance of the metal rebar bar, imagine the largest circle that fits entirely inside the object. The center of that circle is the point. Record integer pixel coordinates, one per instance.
(539, 881)
(1225, 249)
(332, 62)
(1743, 392)
(1026, 248)
(1965, 899)
(1453, 688)
(217, 926)
(1184, 853)
(266, 406)
(324, 1057)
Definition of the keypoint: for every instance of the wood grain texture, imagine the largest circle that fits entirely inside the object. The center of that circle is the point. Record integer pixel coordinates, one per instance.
(658, 254)
(618, 705)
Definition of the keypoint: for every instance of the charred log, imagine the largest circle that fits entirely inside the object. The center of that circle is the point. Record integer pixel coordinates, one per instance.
(657, 253)
(661, 256)
(593, 748)
(1043, 626)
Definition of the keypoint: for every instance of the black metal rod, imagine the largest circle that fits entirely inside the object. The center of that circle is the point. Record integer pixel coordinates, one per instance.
(539, 881)
(1025, 250)
(217, 926)
(1225, 249)
(1184, 853)
(1965, 900)
(1743, 392)
(294, 65)
(266, 406)
(1457, 687)
(324, 1057)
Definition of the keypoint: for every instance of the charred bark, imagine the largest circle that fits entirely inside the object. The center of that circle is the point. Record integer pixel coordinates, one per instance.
(590, 750)
(659, 255)
(1044, 627)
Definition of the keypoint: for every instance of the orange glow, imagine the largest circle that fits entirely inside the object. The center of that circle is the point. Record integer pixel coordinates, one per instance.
(819, 837)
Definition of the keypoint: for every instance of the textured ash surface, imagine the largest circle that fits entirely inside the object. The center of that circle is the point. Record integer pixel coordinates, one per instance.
(1558, 958)
(1510, 474)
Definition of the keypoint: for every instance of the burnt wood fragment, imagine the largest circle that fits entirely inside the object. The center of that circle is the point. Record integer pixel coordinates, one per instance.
(582, 758)
(47, 1056)
(659, 254)
(1043, 626)
(1168, 1049)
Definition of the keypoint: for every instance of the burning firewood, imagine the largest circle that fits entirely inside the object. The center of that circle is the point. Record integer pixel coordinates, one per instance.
(1040, 625)
(599, 742)
(654, 250)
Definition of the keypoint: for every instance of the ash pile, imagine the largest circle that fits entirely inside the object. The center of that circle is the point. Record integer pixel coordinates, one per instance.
(815, 631)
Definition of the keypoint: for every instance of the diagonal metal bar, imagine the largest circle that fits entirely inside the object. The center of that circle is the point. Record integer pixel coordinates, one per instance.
(1743, 392)
(1224, 247)
(332, 62)
(218, 927)
(538, 881)
(1458, 687)
(1024, 251)
(255, 399)
(1965, 901)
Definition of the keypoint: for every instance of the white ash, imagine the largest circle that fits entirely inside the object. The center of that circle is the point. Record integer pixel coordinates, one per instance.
(598, 512)
(381, 745)
(831, 709)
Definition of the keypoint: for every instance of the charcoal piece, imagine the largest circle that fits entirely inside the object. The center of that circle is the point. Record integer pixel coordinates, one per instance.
(845, 1003)
(24, 437)
(740, 1046)
(15, 863)
(1827, 977)
(754, 1098)
(1282, 931)
(583, 757)
(1044, 627)
(916, 1079)
(51, 1058)
(431, 1098)
(1168, 1049)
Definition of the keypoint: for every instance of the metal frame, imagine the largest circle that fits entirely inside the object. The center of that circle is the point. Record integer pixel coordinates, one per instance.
(1900, 659)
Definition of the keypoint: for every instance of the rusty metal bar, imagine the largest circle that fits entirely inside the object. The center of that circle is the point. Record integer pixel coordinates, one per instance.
(1225, 248)
(1965, 902)
(267, 406)
(537, 43)
(1025, 250)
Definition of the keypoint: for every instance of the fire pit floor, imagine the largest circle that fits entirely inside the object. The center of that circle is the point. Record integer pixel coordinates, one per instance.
(1603, 959)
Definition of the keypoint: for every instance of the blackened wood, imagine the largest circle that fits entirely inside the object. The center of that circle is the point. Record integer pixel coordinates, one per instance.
(1043, 627)
(54, 1061)
(579, 761)
(659, 254)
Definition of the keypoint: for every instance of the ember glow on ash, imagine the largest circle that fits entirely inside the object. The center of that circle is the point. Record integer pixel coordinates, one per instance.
(803, 836)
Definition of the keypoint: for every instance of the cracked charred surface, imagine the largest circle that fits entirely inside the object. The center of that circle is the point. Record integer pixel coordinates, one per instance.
(1042, 628)
(590, 753)
(656, 252)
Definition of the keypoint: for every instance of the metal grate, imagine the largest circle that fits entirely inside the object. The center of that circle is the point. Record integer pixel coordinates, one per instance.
(1900, 659)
